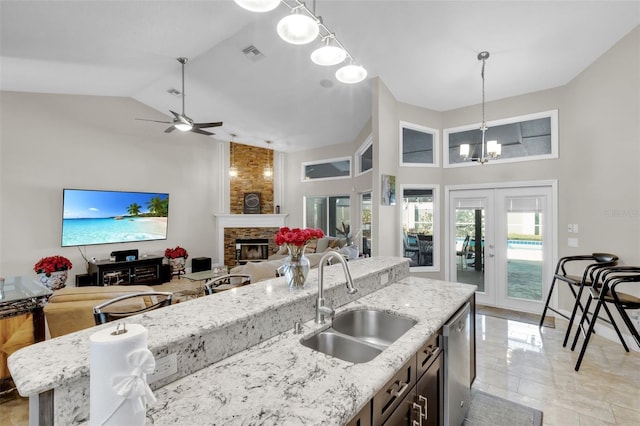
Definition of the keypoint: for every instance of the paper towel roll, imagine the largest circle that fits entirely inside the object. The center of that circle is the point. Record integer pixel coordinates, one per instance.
(118, 384)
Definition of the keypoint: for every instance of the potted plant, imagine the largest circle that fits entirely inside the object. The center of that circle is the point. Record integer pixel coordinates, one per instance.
(177, 259)
(52, 271)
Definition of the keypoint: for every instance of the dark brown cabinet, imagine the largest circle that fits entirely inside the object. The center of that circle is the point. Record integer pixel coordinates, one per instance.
(144, 271)
(424, 403)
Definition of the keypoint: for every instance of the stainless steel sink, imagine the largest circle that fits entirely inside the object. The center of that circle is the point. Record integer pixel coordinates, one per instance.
(341, 346)
(375, 327)
(359, 336)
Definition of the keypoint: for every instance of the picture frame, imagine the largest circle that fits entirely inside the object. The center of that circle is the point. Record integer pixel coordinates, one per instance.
(388, 190)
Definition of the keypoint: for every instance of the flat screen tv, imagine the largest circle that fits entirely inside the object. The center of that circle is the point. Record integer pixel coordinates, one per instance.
(103, 217)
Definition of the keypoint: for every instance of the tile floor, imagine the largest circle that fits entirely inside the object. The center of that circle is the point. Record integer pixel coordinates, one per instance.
(518, 362)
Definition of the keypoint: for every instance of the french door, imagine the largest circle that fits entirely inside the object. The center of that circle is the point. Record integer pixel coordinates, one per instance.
(502, 240)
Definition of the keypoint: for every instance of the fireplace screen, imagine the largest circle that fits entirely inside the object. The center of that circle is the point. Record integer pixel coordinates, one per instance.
(251, 250)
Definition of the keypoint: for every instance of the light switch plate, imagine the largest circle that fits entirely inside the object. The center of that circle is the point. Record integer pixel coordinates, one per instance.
(572, 242)
(165, 367)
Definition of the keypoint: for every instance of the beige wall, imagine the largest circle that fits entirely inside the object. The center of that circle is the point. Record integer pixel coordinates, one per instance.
(51, 142)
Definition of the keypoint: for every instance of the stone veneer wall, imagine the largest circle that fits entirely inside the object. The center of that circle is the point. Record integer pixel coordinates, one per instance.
(250, 162)
(231, 234)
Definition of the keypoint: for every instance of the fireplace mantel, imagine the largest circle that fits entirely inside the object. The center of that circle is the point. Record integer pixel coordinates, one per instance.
(244, 221)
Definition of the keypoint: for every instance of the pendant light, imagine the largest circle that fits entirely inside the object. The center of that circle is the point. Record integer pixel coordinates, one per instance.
(297, 28)
(493, 148)
(258, 5)
(351, 73)
(268, 169)
(328, 54)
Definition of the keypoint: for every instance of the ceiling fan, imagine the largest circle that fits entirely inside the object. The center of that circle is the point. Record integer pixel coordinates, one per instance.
(181, 121)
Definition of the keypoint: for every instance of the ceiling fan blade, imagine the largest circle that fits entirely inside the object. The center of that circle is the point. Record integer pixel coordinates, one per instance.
(201, 132)
(205, 125)
(170, 129)
(155, 121)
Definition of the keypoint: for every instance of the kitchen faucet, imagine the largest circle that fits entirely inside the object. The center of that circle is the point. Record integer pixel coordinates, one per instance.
(322, 310)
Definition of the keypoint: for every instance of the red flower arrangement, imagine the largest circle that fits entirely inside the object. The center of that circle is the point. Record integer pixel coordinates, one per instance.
(173, 253)
(47, 265)
(297, 236)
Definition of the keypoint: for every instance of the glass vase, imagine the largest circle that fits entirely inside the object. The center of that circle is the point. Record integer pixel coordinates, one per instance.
(296, 266)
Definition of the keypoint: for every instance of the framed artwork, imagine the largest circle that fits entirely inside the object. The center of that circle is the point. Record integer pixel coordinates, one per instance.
(388, 190)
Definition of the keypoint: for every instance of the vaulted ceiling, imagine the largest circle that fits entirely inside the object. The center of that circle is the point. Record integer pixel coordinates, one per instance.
(424, 52)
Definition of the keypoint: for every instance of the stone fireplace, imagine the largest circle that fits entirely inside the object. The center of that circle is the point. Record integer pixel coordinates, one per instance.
(232, 227)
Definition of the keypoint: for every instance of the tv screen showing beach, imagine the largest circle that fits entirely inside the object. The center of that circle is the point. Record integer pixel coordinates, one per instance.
(103, 217)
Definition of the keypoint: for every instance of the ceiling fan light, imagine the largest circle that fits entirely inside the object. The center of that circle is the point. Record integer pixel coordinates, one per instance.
(328, 55)
(184, 127)
(351, 73)
(258, 5)
(298, 29)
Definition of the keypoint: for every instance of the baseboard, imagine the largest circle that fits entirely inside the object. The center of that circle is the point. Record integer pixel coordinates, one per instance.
(607, 332)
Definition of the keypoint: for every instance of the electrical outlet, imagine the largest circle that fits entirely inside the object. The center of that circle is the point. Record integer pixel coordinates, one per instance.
(384, 278)
(165, 367)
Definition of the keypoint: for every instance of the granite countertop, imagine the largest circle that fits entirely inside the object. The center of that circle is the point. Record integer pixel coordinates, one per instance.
(280, 382)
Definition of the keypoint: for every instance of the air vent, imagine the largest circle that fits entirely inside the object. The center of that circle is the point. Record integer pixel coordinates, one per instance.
(174, 92)
(252, 53)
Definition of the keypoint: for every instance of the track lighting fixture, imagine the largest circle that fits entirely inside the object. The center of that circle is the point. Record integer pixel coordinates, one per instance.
(302, 26)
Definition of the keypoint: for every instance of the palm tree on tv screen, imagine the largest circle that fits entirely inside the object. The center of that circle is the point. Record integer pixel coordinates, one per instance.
(134, 209)
(158, 207)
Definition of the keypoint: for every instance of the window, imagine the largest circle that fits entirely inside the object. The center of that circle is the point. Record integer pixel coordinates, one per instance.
(420, 226)
(364, 157)
(365, 225)
(327, 213)
(336, 168)
(523, 138)
(418, 145)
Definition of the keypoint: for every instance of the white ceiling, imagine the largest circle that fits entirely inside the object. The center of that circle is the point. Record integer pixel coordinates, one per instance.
(424, 51)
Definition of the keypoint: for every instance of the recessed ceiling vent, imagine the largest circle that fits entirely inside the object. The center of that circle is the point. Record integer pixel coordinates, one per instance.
(174, 92)
(252, 53)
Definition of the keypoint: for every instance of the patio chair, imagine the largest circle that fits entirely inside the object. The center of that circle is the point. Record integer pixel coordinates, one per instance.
(596, 261)
(411, 248)
(463, 252)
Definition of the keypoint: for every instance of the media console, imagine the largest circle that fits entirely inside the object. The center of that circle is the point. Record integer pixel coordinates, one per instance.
(145, 271)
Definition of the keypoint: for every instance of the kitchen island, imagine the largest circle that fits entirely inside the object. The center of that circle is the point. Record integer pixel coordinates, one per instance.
(239, 360)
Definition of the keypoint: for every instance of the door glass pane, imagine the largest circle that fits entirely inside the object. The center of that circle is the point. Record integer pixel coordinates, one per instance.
(470, 227)
(339, 215)
(524, 248)
(316, 213)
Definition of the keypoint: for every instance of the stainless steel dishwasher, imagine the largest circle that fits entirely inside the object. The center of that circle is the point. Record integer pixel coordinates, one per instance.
(457, 370)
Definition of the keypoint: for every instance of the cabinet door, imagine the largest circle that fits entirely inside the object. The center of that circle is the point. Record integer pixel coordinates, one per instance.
(430, 393)
(363, 418)
(115, 276)
(406, 413)
(145, 274)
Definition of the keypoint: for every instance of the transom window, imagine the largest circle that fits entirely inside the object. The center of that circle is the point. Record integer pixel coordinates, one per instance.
(364, 157)
(523, 138)
(335, 168)
(418, 145)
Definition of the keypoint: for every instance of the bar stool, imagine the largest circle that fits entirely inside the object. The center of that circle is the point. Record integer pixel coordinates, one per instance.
(574, 281)
(605, 291)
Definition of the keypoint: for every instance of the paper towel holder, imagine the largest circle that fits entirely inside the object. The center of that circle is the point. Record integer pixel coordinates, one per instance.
(117, 331)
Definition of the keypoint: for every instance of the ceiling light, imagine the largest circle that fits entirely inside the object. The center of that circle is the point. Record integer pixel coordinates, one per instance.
(351, 73)
(303, 26)
(328, 55)
(298, 29)
(493, 148)
(258, 5)
(184, 127)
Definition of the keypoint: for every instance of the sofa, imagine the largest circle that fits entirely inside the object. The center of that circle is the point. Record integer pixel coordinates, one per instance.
(71, 308)
(315, 250)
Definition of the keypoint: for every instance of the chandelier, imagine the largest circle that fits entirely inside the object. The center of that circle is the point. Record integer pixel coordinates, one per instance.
(490, 149)
(302, 26)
